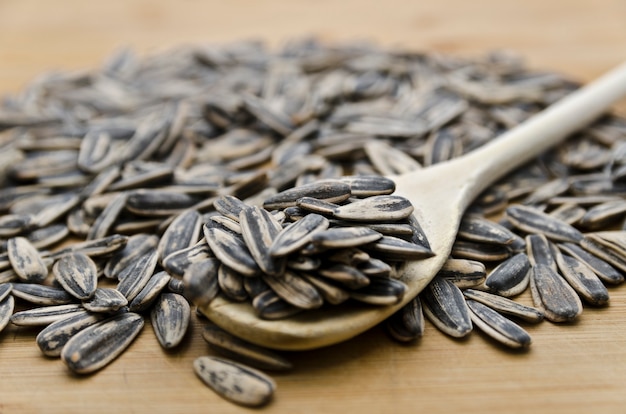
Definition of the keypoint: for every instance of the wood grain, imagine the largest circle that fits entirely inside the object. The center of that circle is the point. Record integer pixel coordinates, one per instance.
(570, 368)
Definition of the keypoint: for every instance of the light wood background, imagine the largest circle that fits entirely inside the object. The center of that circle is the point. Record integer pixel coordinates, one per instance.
(571, 368)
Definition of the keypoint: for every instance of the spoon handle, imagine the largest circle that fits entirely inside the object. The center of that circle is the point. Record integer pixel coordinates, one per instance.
(542, 131)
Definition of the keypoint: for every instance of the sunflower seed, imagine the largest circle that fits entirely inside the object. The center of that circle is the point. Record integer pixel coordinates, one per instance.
(95, 347)
(48, 236)
(510, 277)
(268, 305)
(158, 202)
(298, 234)
(150, 292)
(569, 213)
(332, 191)
(26, 260)
(259, 228)
(105, 300)
(254, 286)
(231, 251)
(5, 290)
(231, 284)
(596, 247)
(505, 305)
(134, 277)
(445, 307)
(78, 275)
(136, 246)
(41, 294)
(369, 185)
(342, 237)
(235, 382)
(105, 221)
(229, 206)
(532, 220)
(14, 224)
(478, 229)
(7, 305)
(606, 272)
(183, 232)
(540, 251)
(497, 326)
(407, 324)
(175, 286)
(463, 273)
(394, 248)
(376, 208)
(53, 337)
(462, 249)
(582, 279)
(240, 350)
(200, 282)
(170, 318)
(94, 248)
(294, 289)
(551, 294)
(380, 291)
(45, 315)
(602, 215)
(315, 205)
(225, 223)
(348, 276)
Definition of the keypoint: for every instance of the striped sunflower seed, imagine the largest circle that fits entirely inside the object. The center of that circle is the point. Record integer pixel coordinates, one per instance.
(259, 228)
(482, 230)
(540, 251)
(446, 308)
(246, 352)
(94, 248)
(53, 337)
(332, 191)
(463, 273)
(235, 382)
(314, 205)
(407, 324)
(5, 290)
(105, 300)
(606, 272)
(200, 282)
(183, 232)
(343, 237)
(295, 290)
(77, 274)
(41, 294)
(369, 185)
(551, 293)
(44, 315)
(170, 318)
(380, 291)
(176, 263)
(136, 246)
(6, 310)
(98, 345)
(150, 292)
(531, 220)
(231, 284)
(511, 277)
(348, 276)
(268, 305)
(582, 279)
(394, 248)
(505, 305)
(297, 235)
(231, 250)
(26, 260)
(497, 326)
(376, 208)
(134, 277)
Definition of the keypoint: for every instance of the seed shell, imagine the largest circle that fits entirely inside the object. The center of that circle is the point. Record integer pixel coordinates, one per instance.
(532, 220)
(231, 250)
(95, 347)
(259, 228)
(407, 324)
(551, 293)
(376, 208)
(295, 290)
(246, 352)
(135, 276)
(105, 300)
(54, 336)
(150, 292)
(505, 305)
(170, 317)
(41, 294)
(297, 235)
(44, 315)
(497, 326)
(582, 279)
(78, 275)
(6, 310)
(235, 382)
(26, 260)
(445, 307)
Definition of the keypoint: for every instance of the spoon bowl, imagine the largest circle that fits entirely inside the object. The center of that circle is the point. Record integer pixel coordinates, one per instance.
(440, 195)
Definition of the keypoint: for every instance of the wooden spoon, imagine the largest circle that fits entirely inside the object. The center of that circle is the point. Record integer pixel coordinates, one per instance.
(440, 195)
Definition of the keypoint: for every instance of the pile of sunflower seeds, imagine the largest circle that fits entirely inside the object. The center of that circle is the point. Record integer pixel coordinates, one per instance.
(155, 182)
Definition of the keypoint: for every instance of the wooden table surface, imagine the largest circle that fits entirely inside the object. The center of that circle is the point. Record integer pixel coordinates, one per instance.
(569, 368)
